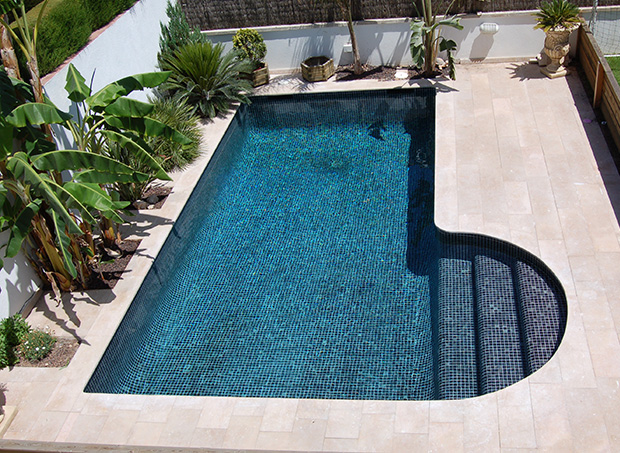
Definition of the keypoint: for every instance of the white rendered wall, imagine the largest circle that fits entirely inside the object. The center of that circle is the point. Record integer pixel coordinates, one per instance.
(18, 282)
(386, 41)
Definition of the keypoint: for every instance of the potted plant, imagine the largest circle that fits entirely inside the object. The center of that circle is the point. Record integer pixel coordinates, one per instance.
(251, 46)
(557, 19)
(315, 69)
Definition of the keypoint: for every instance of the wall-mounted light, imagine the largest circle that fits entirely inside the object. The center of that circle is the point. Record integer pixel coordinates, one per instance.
(347, 47)
(489, 28)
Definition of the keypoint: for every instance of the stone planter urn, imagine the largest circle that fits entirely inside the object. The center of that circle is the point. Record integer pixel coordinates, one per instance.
(556, 48)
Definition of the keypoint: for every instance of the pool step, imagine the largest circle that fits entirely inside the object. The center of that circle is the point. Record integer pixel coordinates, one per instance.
(501, 358)
(492, 324)
(539, 311)
(457, 370)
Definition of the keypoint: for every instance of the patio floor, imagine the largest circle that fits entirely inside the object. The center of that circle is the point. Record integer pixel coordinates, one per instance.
(517, 158)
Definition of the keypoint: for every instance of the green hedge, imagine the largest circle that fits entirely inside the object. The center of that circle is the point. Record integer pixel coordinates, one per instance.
(65, 29)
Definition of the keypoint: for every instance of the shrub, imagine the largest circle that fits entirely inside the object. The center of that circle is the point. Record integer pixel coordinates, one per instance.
(102, 12)
(13, 330)
(180, 116)
(205, 77)
(64, 31)
(250, 45)
(36, 345)
(557, 13)
(177, 32)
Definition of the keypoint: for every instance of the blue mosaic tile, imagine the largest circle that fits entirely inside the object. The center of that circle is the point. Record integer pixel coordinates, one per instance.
(306, 264)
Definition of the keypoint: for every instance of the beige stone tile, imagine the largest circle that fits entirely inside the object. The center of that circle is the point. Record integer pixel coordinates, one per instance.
(145, 433)
(446, 437)
(309, 434)
(343, 445)
(516, 426)
(67, 426)
(207, 438)
(379, 407)
(446, 411)
(47, 426)
(279, 415)
(313, 409)
(376, 432)
(407, 443)
(118, 427)
(604, 346)
(345, 418)
(594, 306)
(156, 410)
(216, 413)
(249, 406)
(550, 373)
(481, 424)
(550, 417)
(243, 431)
(180, 427)
(86, 428)
(587, 420)
(412, 417)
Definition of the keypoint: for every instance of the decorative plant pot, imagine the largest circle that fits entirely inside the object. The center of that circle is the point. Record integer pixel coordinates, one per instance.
(315, 69)
(556, 48)
(260, 76)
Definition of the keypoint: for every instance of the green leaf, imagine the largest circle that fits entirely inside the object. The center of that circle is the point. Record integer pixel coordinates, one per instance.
(91, 195)
(113, 215)
(6, 140)
(417, 43)
(63, 242)
(148, 126)
(96, 177)
(141, 149)
(37, 113)
(123, 87)
(76, 86)
(21, 228)
(129, 107)
(454, 22)
(74, 202)
(20, 167)
(67, 159)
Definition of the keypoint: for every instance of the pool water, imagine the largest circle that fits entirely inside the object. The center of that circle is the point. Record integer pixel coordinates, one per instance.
(306, 264)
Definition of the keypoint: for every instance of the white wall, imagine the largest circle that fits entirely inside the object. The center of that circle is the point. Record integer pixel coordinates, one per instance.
(18, 282)
(387, 41)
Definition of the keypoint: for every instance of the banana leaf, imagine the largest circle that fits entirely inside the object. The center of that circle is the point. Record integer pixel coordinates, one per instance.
(96, 177)
(123, 87)
(67, 159)
(124, 106)
(37, 113)
(21, 228)
(19, 166)
(148, 126)
(63, 243)
(76, 86)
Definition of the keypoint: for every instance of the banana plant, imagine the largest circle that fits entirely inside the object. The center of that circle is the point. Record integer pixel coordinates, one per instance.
(49, 217)
(426, 40)
(25, 37)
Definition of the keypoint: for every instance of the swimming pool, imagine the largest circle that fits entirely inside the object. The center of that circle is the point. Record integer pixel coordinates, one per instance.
(306, 264)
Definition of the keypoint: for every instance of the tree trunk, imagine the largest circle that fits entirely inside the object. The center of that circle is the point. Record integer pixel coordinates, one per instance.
(9, 59)
(357, 65)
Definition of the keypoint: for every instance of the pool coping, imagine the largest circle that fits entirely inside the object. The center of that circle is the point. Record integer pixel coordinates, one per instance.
(534, 413)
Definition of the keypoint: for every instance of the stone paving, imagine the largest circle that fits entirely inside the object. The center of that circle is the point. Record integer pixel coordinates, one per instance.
(519, 157)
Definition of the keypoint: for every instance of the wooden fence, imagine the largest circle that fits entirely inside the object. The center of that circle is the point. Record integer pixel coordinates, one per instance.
(600, 77)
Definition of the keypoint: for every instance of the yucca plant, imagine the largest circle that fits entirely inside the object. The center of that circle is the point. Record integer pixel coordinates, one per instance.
(206, 77)
(557, 14)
